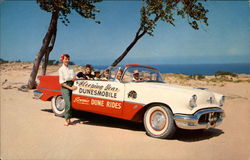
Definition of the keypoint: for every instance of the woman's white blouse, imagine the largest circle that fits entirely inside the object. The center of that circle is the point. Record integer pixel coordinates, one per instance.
(66, 74)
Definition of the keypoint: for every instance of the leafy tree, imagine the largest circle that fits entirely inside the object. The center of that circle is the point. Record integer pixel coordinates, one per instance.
(165, 10)
(58, 9)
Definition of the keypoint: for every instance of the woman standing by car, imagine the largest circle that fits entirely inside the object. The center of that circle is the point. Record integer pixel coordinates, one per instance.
(66, 76)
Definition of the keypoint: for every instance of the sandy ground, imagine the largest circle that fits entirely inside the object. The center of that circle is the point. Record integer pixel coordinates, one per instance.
(29, 129)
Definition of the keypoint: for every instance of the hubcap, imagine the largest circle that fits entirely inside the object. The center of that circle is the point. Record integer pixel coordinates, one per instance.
(158, 120)
(60, 104)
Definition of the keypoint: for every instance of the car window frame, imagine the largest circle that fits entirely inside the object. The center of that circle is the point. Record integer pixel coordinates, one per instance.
(125, 70)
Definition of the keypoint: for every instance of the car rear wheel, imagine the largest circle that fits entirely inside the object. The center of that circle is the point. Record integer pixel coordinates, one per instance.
(58, 105)
(158, 122)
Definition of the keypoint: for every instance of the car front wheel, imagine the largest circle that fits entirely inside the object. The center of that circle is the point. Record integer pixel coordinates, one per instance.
(158, 122)
(58, 105)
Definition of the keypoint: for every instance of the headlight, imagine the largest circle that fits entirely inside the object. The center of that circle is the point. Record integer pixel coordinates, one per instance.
(192, 102)
(222, 101)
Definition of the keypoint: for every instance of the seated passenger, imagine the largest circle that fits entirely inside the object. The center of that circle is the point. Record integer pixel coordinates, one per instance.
(87, 74)
(136, 76)
(97, 75)
(119, 74)
(106, 75)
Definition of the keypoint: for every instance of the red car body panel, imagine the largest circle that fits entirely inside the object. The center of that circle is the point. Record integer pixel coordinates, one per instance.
(50, 87)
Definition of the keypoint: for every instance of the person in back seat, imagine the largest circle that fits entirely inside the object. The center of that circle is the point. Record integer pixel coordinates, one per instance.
(87, 74)
(119, 74)
(106, 75)
(97, 75)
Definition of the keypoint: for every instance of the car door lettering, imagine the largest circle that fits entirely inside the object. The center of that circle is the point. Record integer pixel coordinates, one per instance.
(81, 101)
(110, 88)
(98, 102)
(97, 93)
(95, 89)
(115, 105)
(95, 102)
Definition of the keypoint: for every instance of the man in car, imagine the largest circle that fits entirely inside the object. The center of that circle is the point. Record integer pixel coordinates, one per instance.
(136, 75)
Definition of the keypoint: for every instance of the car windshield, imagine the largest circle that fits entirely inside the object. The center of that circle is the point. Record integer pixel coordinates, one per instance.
(141, 74)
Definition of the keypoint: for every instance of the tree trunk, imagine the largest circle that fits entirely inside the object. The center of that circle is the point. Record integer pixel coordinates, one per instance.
(46, 41)
(46, 56)
(45, 63)
(131, 45)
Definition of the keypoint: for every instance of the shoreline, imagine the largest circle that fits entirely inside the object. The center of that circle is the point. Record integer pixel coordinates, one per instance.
(187, 69)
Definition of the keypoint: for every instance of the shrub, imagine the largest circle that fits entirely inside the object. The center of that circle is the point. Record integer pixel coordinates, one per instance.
(223, 74)
(52, 62)
(3, 61)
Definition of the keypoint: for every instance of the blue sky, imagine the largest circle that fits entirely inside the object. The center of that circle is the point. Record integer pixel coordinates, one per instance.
(225, 40)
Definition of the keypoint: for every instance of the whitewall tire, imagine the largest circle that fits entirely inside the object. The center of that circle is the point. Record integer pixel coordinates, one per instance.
(158, 122)
(58, 105)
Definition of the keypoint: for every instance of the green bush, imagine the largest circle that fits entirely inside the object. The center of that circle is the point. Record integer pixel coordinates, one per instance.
(223, 74)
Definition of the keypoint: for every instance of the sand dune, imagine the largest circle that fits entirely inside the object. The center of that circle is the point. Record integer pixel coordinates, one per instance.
(29, 129)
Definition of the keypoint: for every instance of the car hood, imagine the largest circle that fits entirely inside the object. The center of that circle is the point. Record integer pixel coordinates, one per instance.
(204, 96)
(186, 89)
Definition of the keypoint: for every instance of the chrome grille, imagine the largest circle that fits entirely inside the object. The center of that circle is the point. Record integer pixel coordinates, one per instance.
(211, 117)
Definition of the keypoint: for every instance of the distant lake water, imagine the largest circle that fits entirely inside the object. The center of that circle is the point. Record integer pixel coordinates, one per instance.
(204, 69)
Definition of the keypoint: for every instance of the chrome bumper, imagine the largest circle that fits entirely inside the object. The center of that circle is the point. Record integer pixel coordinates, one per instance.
(37, 94)
(202, 119)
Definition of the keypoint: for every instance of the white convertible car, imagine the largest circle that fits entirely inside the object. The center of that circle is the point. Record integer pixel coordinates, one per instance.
(138, 93)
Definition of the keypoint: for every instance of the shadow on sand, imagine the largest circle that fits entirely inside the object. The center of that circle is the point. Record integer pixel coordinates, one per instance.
(86, 118)
(100, 120)
(197, 135)
(47, 110)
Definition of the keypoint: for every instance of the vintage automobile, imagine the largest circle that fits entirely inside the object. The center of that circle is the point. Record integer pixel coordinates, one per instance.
(138, 93)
